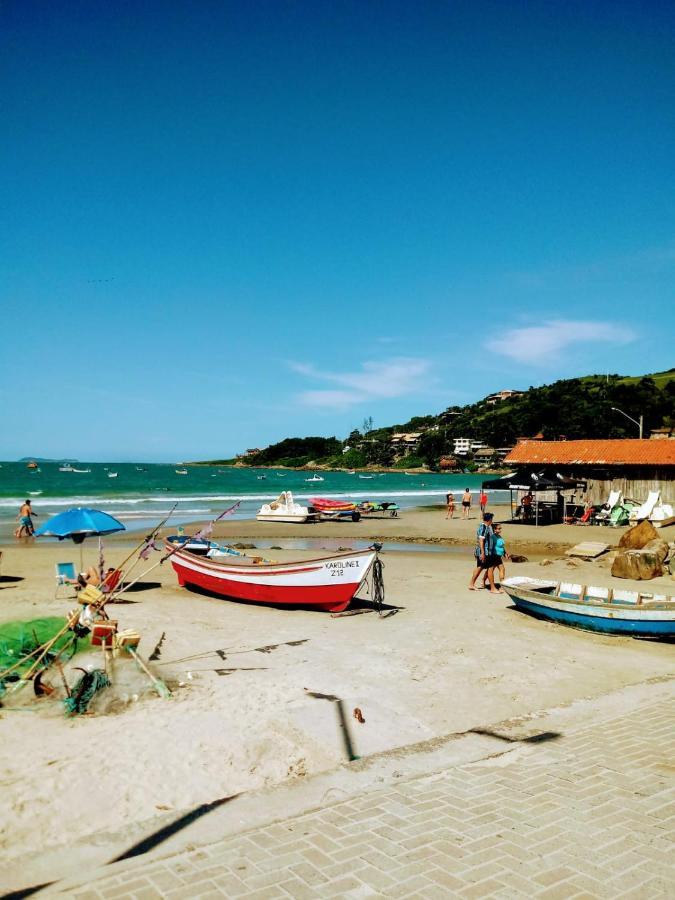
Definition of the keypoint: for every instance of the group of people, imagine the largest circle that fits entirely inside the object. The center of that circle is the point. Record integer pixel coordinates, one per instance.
(490, 554)
(466, 503)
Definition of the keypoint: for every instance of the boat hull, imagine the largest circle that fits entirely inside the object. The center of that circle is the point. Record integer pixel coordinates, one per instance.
(605, 618)
(291, 519)
(325, 584)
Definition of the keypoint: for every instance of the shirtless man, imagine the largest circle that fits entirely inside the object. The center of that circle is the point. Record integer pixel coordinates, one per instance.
(25, 520)
(466, 504)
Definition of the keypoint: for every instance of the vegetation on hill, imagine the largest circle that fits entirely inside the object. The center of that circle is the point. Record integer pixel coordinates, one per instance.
(571, 408)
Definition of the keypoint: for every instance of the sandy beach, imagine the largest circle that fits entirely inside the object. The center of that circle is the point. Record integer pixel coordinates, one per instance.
(242, 716)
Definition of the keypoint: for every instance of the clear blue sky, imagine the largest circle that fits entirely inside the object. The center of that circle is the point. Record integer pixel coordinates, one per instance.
(224, 223)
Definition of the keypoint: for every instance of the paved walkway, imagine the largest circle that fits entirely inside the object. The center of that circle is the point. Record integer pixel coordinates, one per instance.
(590, 813)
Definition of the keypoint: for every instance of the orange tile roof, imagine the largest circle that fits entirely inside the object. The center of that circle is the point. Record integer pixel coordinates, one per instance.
(597, 453)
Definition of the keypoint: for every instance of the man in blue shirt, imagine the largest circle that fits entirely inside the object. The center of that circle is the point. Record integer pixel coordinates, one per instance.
(484, 553)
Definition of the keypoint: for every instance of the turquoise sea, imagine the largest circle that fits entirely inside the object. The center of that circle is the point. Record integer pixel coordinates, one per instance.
(144, 493)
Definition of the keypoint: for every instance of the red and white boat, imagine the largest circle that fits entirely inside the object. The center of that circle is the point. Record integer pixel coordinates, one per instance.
(328, 584)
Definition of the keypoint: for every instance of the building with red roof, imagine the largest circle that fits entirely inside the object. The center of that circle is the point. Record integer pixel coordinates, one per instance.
(634, 467)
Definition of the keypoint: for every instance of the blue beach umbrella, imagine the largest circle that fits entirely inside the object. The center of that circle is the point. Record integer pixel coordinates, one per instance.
(78, 523)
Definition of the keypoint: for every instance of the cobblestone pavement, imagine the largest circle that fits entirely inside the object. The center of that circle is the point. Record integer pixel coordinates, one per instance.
(590, 813)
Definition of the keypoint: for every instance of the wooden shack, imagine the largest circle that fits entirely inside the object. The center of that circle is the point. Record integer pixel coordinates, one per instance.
(635, 467)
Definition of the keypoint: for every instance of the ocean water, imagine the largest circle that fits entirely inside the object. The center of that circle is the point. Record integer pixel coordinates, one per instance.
(144, 493)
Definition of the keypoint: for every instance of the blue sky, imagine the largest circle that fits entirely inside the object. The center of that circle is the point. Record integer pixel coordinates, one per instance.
(227, 223)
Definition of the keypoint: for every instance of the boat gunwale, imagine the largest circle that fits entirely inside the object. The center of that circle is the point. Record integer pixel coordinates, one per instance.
(594, 603)
(305, 565)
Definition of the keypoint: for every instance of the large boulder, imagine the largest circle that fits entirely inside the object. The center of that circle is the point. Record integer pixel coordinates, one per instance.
(640, 565)
(659, 547)
(639, 535)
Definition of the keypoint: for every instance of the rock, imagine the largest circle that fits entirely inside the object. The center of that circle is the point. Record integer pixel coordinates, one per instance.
(241, 546)
(607, 561)
(639, 535)
(640, 565)
(546, 562)
(516, 558)
(658, 547)
(572, 563)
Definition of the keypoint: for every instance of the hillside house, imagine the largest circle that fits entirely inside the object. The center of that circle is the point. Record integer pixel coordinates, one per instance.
(502, 395)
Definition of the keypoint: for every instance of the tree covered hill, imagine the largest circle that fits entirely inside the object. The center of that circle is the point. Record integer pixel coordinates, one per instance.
(571, 408)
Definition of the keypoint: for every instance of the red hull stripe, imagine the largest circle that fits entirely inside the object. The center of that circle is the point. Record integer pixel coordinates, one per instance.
(333, 598)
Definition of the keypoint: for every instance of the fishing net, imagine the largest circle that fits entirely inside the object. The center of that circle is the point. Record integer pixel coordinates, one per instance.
(85, 690)
(19, 639)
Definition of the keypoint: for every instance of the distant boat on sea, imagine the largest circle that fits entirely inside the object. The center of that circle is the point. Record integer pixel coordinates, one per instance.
(112, 474)
(68, 468)
(31, 465)
(181, 471)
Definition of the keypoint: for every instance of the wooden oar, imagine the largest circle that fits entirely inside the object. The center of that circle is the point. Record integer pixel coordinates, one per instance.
(157, 683)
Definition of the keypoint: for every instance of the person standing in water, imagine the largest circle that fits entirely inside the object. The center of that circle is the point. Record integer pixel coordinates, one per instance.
(466, 503)
(25, 520)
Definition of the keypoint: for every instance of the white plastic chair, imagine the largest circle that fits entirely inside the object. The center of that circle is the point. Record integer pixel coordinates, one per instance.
(647, 508)
(602, 517)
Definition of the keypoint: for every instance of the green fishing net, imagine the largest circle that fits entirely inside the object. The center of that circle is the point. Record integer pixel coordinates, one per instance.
(19, 639)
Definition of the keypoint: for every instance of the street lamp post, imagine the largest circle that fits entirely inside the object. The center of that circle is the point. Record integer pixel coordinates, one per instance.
(635, 421)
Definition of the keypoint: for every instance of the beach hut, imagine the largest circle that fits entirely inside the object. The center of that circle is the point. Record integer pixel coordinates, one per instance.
(540, 484)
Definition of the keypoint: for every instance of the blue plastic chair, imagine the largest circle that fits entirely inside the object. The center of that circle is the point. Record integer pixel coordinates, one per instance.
(65, 575)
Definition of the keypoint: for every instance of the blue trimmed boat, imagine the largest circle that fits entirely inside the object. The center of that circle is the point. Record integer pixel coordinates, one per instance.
(609, 611)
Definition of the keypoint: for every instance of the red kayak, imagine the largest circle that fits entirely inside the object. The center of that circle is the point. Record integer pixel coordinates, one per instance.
(328, 584)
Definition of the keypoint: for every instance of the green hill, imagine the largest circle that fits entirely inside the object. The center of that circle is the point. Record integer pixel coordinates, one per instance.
(570, 408)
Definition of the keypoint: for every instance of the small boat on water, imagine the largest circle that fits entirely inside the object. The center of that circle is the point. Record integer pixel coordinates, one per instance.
(315, 478)
(328, 583)
(366, 476)
(181, 471)
(608, 610)
(31, 465)
(112, 474)
(66, 468)
(284, 509)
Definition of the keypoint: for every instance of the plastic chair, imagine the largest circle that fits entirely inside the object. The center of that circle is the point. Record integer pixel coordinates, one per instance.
(65, 576)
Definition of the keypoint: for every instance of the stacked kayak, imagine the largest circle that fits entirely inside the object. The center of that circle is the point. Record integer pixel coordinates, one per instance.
(335, 509)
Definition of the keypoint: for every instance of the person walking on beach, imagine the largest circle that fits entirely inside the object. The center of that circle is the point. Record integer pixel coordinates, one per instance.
(483, 500)
(25, 521)
(450, 501)
(484, 553)
(466, 503)
(500, 553)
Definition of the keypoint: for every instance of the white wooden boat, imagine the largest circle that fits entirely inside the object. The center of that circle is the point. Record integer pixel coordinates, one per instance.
(611, 611)
(329, 583)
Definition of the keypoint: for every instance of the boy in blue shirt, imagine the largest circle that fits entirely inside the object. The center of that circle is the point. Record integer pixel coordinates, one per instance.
(500, 553)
